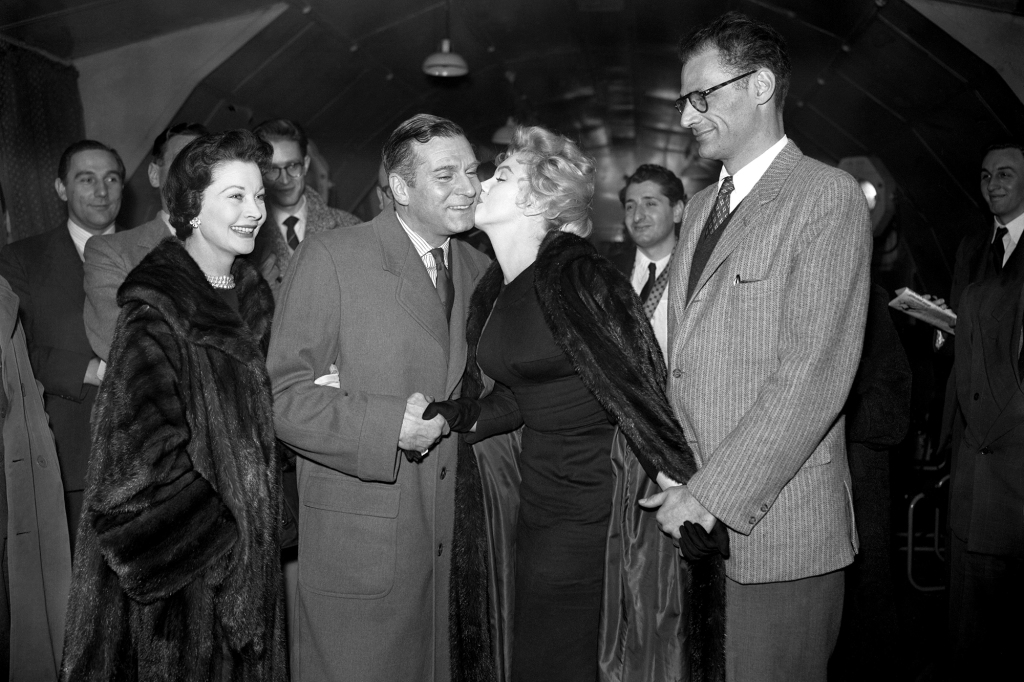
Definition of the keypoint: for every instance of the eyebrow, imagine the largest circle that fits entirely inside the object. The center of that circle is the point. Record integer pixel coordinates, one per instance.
(233, 187)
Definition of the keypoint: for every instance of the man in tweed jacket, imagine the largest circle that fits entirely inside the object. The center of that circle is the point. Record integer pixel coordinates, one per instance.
(766, 320)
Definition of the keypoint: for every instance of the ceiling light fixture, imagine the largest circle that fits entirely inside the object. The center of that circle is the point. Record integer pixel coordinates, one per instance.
(446, 64)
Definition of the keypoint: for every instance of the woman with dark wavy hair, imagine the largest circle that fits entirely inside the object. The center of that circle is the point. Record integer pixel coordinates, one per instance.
(177, 573)
(557, 573)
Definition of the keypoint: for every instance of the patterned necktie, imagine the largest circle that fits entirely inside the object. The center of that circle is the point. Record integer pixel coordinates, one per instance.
(445, 289)
(645, 293)
(998, 248)
(721, 210)
(290, 236)
(656, 292)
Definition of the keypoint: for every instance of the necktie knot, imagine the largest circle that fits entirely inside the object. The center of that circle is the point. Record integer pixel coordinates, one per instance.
(727, 186)
(291, 236)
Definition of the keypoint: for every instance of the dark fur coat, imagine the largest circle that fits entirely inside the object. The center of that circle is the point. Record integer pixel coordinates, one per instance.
(177, 573)
(598, 322)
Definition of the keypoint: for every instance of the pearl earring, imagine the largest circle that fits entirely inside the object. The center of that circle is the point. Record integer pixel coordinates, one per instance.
(195, 222)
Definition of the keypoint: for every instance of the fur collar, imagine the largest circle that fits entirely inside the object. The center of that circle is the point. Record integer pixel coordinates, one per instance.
(169, 280)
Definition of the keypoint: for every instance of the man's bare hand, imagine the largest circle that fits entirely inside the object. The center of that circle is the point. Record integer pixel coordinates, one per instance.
(675, 506)
(941, 302)
(416, 434)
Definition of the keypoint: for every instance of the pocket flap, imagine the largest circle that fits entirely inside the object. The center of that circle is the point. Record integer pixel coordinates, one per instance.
(353, 497)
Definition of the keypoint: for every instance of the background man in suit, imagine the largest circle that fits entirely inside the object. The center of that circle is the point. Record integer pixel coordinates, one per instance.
(294, 209)
(768, 296)
(987, 474)
(109, 258)
(653, 201)
(384, 303)
(45, 271)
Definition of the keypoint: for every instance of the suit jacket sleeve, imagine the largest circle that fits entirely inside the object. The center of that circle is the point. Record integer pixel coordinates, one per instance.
(60, 371)
(346, 429)
(158, 522)
(104, 273)
(821, 332)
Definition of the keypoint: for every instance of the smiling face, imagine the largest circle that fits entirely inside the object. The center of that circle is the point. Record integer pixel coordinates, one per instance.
(233, 210)
(1002, 183)
(440, 200)
(724, 131)
(92, 189)
(286, 191)
(650, 217)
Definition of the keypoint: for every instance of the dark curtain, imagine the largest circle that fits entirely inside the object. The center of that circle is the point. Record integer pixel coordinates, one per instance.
(40, 115)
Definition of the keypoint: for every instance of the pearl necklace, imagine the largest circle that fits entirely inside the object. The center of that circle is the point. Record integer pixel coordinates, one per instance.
(221, 281)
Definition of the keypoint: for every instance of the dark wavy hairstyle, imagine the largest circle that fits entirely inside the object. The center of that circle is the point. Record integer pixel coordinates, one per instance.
(744, 44)
(398, 154)
(192, 171)
(671, 185)
(84, 146)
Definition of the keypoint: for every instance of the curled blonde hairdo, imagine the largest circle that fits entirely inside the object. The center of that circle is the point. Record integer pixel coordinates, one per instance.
(559, 177)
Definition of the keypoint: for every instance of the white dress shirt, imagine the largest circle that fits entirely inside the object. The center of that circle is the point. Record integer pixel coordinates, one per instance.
(80, 235)
(1014, 229)
(660, 319)
(745, 178)
(423, 250)
(299, 210)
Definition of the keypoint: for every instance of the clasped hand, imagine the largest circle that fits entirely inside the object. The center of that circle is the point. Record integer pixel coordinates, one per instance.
(419, 435)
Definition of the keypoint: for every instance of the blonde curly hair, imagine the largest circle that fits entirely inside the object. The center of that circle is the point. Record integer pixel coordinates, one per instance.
(559, 177)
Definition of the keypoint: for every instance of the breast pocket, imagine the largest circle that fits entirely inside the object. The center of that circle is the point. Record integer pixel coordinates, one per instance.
(347, 537)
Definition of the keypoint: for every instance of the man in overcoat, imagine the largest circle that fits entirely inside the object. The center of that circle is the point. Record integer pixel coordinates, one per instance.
(384, 303)
(768, 298)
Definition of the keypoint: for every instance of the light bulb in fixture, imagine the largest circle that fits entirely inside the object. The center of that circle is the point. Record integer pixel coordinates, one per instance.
(445, 64)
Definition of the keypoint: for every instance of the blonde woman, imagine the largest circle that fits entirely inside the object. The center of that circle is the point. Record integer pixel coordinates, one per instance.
(591, 588)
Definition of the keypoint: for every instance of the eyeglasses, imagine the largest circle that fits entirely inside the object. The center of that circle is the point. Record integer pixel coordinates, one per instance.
(699, 98)
(293, 170)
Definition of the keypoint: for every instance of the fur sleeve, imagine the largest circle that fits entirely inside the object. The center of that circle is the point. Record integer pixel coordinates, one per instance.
(158, 523)
(597, 320)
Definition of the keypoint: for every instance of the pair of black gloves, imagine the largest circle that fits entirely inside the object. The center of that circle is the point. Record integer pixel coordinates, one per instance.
(695, 543)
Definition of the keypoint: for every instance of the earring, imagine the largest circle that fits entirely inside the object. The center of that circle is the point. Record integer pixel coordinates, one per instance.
(195, 222)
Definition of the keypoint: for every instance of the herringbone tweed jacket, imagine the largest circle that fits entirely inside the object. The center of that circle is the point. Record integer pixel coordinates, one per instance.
(761, 362)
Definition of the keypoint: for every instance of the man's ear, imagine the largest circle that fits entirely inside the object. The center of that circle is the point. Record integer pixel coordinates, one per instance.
(677, 211)
(764, 85)
(62, 191)
(153, 173)
(399, 189)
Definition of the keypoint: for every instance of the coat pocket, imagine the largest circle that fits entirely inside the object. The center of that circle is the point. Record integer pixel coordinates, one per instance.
(348, 537)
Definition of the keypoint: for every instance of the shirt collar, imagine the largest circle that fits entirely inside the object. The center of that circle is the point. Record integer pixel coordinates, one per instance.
(298, 210)
(420, 244)
(1015, 227)
(745, 178)
(80, 235)
(641, 261)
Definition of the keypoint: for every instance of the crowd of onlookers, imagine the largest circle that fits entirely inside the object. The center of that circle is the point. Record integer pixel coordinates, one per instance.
(257, 436)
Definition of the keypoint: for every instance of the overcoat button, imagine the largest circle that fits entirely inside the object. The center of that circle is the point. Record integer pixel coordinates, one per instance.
(976, 396)
(764, 508)
(41, 461)
(676, 373)
(444, 472)
(753, 520)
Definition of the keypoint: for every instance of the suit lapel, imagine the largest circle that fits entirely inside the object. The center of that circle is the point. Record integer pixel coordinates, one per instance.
(415, 292)
(1001, 337)
(680, 318)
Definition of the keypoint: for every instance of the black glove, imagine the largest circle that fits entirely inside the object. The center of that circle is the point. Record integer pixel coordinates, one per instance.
(461, 413)
(413, 456)
(695, 543)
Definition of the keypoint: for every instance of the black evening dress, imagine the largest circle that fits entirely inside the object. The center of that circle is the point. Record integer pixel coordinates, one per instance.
(565, 495)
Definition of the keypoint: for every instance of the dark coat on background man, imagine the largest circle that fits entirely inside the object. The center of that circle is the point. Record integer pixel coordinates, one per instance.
(650, 630)
(45, 272)
(177, 573)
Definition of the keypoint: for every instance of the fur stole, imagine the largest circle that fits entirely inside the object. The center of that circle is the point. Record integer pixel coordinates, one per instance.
(598, 322)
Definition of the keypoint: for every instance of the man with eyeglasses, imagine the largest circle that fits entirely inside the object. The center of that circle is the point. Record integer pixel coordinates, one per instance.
(768, 298)
(109, 258)
(295, 209)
